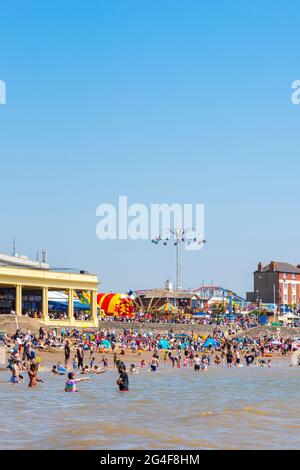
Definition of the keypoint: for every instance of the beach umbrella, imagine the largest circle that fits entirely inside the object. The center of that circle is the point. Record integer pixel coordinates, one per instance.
(106, 343)
(211, 342)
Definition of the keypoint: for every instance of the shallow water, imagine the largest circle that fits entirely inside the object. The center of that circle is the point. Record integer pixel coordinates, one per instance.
(238, 408)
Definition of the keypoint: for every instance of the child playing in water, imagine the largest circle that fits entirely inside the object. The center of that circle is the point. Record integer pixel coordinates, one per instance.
(105, 362)
(97, 371)
(186, 362)
(92, 362)
(133, 369)
(71, 382)
(75, 363)
(56, 371)
(33, 379)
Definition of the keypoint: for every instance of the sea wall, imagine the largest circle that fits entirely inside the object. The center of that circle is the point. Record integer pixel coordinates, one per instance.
(283, 331)
(161, 327)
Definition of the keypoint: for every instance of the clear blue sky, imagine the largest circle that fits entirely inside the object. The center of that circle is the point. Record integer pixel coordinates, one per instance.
(171, 101)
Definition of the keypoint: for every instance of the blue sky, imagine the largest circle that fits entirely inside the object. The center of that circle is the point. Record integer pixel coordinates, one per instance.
(166, 101)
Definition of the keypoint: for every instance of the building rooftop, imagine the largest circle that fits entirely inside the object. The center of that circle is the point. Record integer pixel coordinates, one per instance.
(165, 293)
(281, 267)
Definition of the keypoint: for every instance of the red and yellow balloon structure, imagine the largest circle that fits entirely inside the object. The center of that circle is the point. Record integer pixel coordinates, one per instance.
(119, 305)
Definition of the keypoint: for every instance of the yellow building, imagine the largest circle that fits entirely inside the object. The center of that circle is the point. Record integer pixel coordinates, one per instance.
(21, 281)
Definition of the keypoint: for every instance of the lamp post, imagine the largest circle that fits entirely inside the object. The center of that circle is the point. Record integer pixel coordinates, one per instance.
(181, 237)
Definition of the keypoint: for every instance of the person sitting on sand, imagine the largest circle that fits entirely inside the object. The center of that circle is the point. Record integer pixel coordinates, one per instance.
(71, 383)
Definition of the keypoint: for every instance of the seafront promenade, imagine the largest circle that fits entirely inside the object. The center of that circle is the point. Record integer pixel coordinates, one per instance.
(8, 325)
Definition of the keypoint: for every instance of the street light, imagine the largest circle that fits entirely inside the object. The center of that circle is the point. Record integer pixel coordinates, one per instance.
(181, 237)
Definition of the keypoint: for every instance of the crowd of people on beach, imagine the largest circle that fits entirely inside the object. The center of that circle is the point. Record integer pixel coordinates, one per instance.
(89, 352)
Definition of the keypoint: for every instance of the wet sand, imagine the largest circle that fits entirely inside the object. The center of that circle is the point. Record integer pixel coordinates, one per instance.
(50, 358)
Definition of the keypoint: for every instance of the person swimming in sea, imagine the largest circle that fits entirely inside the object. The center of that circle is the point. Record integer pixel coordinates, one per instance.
(97, 370)
(71, 383)
(85, 370)
(133, 369)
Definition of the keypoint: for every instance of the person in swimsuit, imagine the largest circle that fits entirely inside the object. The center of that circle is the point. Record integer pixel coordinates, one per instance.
(197, 362)
(15, 370)
(32, 373)
(97, 371)
(71, 383)
(154, 364)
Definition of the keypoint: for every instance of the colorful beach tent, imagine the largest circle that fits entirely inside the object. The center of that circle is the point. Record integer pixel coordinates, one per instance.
(168, 308)
(211, 342)
(164, 344)
(116, 304)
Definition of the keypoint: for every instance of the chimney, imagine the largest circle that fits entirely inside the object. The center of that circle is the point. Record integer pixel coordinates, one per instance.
(259, 267)
(272, 266)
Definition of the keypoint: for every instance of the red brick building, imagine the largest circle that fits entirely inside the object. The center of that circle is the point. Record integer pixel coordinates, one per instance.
(276, 283)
